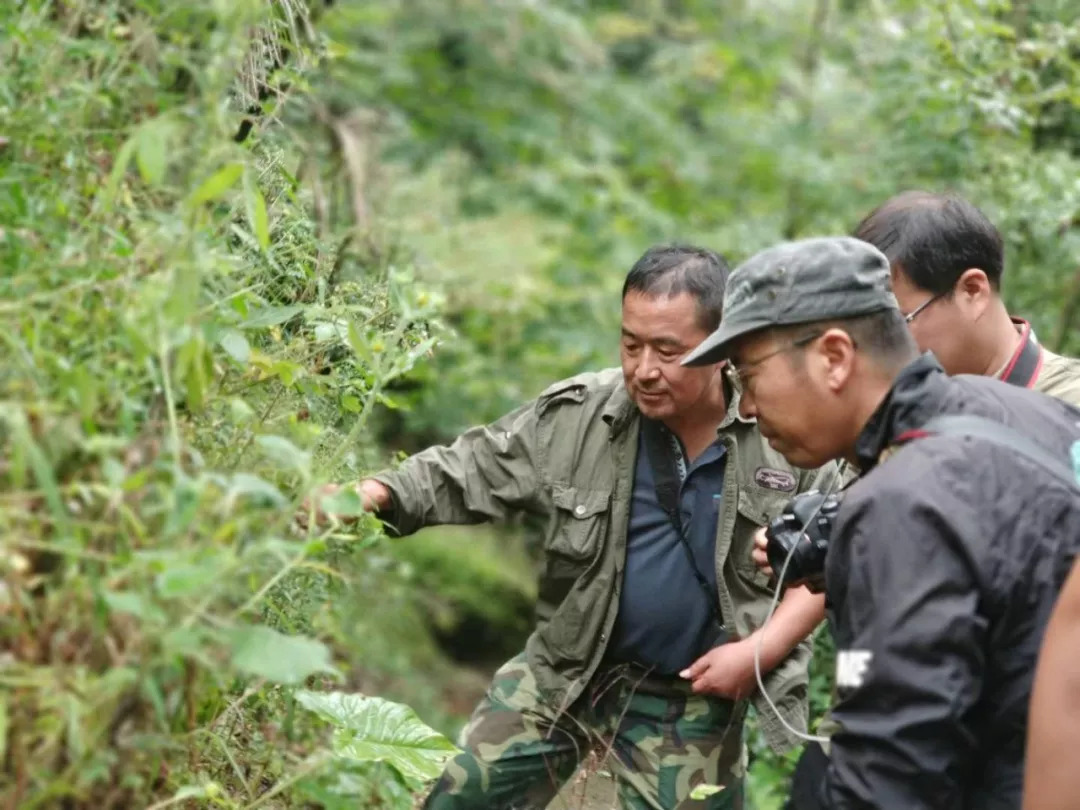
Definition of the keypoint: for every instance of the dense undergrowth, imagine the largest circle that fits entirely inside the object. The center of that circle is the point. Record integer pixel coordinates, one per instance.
(196, 329)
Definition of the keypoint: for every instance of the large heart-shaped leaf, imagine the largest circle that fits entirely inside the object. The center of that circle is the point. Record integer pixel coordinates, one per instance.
(370, 729)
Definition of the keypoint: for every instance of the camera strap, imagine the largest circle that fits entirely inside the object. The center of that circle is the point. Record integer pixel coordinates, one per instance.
(981, 428)
(665, 458)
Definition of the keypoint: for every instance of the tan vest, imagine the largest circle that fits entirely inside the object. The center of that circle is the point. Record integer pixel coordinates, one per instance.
(1059, 377)
(1036, 367)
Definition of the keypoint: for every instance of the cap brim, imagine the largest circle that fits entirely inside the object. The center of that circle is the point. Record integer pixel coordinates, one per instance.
(717, 346)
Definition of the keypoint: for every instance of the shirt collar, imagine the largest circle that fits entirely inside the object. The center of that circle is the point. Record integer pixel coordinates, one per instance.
(620, 409)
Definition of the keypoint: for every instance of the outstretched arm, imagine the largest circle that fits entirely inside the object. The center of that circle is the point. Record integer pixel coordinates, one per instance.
(485, 474)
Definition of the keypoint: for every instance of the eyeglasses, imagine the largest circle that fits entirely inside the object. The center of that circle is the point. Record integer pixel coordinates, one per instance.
(911, 315)
(798, 343)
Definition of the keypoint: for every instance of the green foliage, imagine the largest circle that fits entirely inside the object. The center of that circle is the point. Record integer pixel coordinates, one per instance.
(370, 729)
(476, 586)
(192, 349)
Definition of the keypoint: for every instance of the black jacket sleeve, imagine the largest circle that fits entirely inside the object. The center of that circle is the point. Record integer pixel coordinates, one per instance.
(910, 650)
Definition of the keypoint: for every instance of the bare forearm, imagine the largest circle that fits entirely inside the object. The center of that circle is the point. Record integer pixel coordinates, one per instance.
(798, 613)
(1052, 780)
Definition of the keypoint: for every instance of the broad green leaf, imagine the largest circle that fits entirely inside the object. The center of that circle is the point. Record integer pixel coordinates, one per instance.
(704, 791)
(360, 345)
(184, 579)
(346, 503)
(120, 164)
(265, 653)
(235, 345)
(151, 153)
(370, 729)
(346, 785)
(113, 471)
(133, 604)
(185, 641)
(284, 452)
(125, 603)
(218, 183)
(328, 331)
(286, 372)
(240, 411)
(256, 212)
(246, 484)
(271, 316)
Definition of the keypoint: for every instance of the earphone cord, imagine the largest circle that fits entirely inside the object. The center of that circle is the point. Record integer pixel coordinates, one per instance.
(768, 618)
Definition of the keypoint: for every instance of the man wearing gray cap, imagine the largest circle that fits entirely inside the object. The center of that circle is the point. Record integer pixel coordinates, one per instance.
(939, 575)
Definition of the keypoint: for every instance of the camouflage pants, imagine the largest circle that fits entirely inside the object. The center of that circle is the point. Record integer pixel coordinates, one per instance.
(653, 735)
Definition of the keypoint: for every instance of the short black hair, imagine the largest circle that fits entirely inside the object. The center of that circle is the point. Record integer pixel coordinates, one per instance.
(882, 336)
(666, 270)
(933, 238)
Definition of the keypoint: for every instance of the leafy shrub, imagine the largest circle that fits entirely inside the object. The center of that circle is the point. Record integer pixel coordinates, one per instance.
(198, 340)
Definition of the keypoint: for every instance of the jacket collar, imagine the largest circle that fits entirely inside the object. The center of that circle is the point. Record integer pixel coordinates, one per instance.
(915, 396)
(620, 410)
(733, 393)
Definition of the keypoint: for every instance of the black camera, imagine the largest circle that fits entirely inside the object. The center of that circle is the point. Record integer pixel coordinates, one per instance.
(805, 525)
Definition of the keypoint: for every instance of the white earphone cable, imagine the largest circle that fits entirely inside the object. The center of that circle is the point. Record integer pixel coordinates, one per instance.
(768, 618)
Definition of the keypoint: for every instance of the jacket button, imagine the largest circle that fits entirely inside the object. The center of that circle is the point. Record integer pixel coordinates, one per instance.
(579, 510)
(603, 636)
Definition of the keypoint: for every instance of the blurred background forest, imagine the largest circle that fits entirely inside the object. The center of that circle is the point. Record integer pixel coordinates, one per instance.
(250, 246)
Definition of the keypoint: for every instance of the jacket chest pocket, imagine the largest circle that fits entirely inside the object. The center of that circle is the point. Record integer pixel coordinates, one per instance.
(756, 509)
(581, 518)
(572, 587)
(574, 541)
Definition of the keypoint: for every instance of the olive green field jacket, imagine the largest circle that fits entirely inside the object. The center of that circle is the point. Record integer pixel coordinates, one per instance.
(570, 455)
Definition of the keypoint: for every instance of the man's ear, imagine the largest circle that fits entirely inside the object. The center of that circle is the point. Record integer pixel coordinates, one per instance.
(973, 291)
(836, 348)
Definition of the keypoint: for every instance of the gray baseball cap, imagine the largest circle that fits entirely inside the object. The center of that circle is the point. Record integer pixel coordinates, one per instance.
(799, 282)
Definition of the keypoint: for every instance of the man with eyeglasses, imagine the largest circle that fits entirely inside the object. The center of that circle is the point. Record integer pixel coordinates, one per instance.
(946, 267)
(940, 575)
(947, 261)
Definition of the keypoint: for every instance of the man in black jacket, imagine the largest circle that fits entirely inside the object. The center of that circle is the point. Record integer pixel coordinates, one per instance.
(947, 553)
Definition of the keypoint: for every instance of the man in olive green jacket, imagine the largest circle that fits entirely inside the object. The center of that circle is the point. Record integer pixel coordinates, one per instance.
(648, 613)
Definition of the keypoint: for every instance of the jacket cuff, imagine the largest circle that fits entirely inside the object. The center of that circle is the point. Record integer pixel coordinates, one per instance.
(396, 518)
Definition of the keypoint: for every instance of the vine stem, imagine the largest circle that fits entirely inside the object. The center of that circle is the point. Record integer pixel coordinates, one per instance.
(170, 402)
(270, 583)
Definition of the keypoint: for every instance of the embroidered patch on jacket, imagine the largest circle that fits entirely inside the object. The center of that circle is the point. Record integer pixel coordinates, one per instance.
(774, 479)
